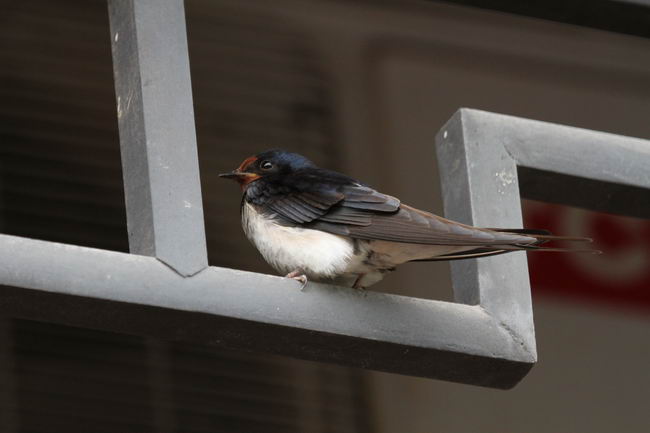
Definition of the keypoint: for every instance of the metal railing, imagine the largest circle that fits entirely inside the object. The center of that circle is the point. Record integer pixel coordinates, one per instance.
(165, 289)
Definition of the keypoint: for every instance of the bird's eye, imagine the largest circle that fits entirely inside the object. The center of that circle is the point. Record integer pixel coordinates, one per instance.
(266, 165)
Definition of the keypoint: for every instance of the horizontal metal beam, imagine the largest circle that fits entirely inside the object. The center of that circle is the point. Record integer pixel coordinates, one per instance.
(567, 165)
(157, 136)
(140, 295)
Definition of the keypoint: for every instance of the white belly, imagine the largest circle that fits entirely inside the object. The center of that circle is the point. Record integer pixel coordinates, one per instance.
(319, 255)
(328, 257)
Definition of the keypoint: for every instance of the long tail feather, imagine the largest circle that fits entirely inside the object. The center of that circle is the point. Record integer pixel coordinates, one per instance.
(524, 231)
(540, 248)
(544, 235)
(502, 249)
(479, 252)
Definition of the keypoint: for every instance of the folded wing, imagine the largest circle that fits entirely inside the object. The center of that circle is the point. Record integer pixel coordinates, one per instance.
(410, 225)
(358, 211)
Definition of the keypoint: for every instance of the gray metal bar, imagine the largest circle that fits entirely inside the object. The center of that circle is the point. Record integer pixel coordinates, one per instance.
(157, 135)
(489, 342)
(479, 187)
(563, 164)
(139, 295)
(483, 160)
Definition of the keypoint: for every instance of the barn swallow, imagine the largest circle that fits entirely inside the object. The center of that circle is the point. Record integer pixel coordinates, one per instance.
(319, 225)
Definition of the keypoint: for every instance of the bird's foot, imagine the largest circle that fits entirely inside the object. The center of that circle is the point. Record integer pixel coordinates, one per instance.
(357, 283)
(298, 275)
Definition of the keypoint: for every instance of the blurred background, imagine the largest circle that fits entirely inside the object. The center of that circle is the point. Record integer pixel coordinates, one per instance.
(361, 87)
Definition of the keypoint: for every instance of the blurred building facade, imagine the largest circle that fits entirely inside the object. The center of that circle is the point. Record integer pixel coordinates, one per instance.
(362, 87)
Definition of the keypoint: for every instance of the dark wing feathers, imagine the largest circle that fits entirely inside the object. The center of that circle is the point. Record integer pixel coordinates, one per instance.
(363, 197)
(361, 212)
(300, 212)
(319, 202)
(303, 207)
(353, 204)
(346, 215)
(415, 226)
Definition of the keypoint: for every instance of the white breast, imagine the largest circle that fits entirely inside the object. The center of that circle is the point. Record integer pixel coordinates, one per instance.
(318, 254)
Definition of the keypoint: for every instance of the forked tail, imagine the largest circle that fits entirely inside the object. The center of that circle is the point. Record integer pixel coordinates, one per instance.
(544, 236)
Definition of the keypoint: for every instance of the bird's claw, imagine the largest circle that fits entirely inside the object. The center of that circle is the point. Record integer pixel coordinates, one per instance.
(298, 276)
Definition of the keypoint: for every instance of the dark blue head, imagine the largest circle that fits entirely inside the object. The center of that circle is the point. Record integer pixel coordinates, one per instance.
(268, 163)
(283, 161)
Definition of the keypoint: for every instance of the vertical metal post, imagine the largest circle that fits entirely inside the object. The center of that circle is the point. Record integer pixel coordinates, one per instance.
(480, 187)
(157, 135)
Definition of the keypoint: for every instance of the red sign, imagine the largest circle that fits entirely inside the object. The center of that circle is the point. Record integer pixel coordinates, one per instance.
(621, 275)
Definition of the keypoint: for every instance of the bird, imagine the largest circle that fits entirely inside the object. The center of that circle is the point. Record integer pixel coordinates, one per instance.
(315, 224)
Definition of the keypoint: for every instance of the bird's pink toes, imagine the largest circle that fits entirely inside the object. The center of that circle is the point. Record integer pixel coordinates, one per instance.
(298, 276)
